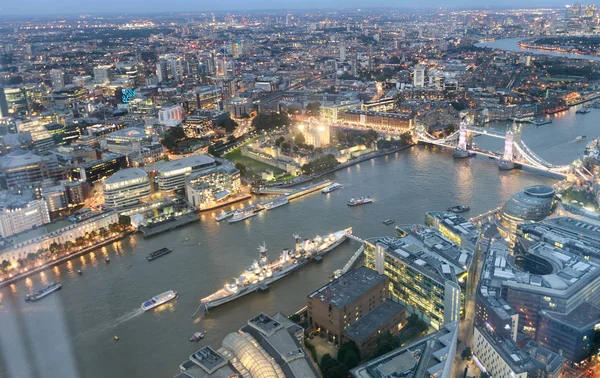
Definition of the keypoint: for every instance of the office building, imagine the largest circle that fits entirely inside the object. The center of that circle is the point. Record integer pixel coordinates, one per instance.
(501, 357)
(102, 74)
(126, 187)
(533, 203)
(453, 227)
(21, 212)
(95, 170)
(58, 79)
(430, 356)
(342, 302)
(126, 141)
(428, 273)
(208, 187)
(265, 347)
(23, 168)
(545, 285)
(207, 97)
(379, 121)
(238, 107)
(40, 136)
(419, 76)
(577, 236)
(55, 197)
(173, 175)
(13, 101)
(171, 116)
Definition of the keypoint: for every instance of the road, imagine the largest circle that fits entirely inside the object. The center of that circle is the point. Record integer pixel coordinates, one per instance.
(465, 327)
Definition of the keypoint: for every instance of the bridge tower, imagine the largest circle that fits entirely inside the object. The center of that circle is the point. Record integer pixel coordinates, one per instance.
(507, 160)
(462, 136)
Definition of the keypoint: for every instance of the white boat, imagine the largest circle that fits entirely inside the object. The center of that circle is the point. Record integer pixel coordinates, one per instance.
(223, 216)
(159, 300)
(331, 188)
(580, 138)
(197, 336)
(46, 290)
(261, 273)
(239, 216)
(276, 203)
(359, 201)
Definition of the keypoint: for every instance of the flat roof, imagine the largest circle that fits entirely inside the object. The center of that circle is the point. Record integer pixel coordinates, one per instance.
(126, 175)
(187, 162)
(373, 320)
(583, 316)
(348, 287)
(128, 132)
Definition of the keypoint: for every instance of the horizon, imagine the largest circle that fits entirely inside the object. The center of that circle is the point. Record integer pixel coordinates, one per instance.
(77, 8)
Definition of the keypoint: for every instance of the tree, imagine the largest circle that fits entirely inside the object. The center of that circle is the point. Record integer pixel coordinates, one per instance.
(124, 220)
(466, 353)
(332, 368)
(242, 168)
(349, 354)
(5, 266)
(386, 342)
(80, 241)
(270, 121)
(172, 136)
(103, 232)
(228, 124)
(406, 138)
(313, 109)
(299, 138)
(54, 247)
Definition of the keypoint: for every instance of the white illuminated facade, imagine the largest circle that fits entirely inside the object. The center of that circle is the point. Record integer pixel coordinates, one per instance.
(316, 135)
(126, 187)
(15, 219)
(208, 187)
(172, 176)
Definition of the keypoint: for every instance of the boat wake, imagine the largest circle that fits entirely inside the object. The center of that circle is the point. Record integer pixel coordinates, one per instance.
(107, 326)
(128, 316)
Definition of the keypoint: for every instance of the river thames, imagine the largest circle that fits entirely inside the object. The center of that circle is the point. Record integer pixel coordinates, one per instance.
(511, 44)
(70, 333)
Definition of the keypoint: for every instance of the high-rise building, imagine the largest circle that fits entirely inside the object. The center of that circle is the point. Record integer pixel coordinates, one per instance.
(173, 175)
(206, 188)
(573, 17)
(102, 74)
(419, 76)
(161, 71)
(589, 13)
(171, 115)
(342, 52)
(58, 79)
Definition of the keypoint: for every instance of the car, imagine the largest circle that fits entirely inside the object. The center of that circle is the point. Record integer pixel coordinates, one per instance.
(590, 373)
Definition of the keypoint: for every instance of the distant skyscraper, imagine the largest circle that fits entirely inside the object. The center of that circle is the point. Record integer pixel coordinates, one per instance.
(58, 79)
(573, 17)
(102, 74)
(590, 12)
(419, 76)
(342, 52)
(161, 71)
(288, 19)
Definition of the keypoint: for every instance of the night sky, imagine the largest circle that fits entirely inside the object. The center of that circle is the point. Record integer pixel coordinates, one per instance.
(55, 7)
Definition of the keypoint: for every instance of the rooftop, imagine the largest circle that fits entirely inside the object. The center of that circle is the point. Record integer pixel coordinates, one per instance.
(187, 162)
(372, 321)
(431, 355)
(584, 316)
(128, 132)
(517, 360)
(348, 287)
(19, 158)
(126, 175)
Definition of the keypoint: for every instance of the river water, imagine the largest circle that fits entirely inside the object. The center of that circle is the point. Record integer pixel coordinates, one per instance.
(511, 44)
(70, 333)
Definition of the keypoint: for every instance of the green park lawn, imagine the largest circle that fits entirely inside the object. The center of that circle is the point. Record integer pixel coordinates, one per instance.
(256, 167)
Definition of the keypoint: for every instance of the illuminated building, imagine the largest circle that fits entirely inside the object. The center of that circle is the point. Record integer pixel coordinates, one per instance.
(13, 101)
(126, 187)
(58, 79)
(317, 136)
(419, 76)
(126, 141)
(332, 113)
(41, 138)
(102, 74)
(20, 213)
(238, 107)
(32, 243)
(397, 122)
(454, 227)
(533, 203)
(430, 356)
(207, 97)
(197, 126)
(427, 273)
(208, 187)
(55, 197)
(172, 175)
(171, 116)
(69, 96)
(342, 302)
(95, 170)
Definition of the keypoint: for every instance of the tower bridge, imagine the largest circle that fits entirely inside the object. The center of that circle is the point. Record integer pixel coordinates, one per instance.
(516, 152)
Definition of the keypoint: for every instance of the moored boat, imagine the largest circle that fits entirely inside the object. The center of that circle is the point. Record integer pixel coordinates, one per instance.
(223, 216)
(261, 273)
(459, 209)
(387, 222)
(580, 138)
(239, 216)
(197, 336)
(276, 203)
(331, 188)
(46, 290)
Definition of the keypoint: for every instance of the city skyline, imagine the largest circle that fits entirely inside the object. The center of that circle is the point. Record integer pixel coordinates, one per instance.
(73, 7)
